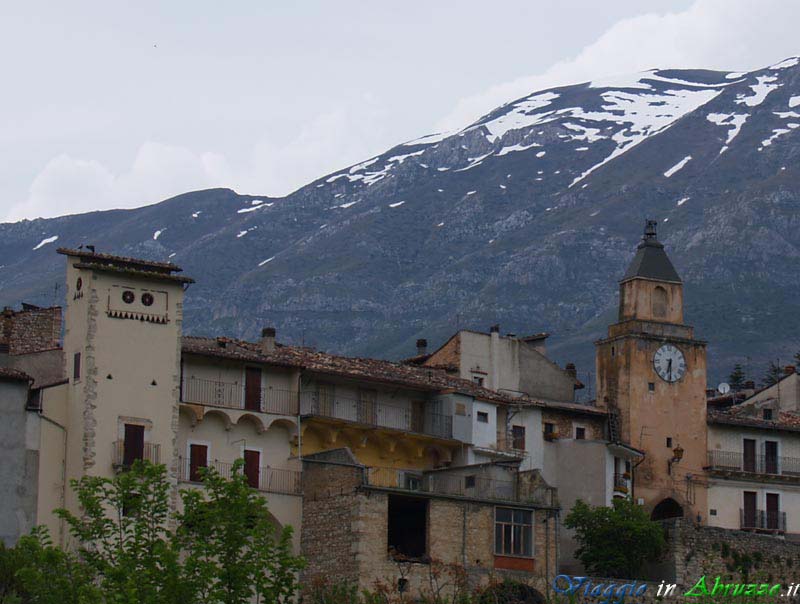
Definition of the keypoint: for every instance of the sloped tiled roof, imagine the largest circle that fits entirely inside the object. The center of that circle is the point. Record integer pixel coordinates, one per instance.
(740, 416)
(651, 261)
(9, 374)
(411, 376)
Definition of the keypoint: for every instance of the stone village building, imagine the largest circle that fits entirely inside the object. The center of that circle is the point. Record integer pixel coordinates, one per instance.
(470, 454)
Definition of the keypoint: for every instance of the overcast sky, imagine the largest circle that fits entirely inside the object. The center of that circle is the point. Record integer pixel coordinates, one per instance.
(120, 104)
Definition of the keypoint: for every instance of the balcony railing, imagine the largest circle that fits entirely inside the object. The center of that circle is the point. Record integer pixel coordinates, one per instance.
(377, 414)
(762, 520)
(461, 485)
(231, 395)
(508, 444)
(269, 480)
(771, 465)
(150, 452)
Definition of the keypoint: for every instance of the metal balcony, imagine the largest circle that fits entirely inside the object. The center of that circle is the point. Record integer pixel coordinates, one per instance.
(767, 465)
(269, 480)
(231, 395)
(762, 520)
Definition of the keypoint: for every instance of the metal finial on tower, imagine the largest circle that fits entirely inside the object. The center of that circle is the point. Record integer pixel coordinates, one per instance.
(650, 229)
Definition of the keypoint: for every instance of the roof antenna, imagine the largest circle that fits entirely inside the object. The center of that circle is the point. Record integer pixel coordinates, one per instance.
(90, 248)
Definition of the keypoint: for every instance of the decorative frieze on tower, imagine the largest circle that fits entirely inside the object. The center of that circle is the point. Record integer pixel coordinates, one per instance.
(651, 373)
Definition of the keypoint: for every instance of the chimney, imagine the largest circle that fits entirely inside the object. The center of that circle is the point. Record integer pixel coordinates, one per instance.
(268, 340)
(422, 346)
(571, 370)
(789, 369)
(495, 329)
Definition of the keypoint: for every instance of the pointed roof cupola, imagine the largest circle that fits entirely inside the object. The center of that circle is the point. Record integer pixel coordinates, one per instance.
(651, 261)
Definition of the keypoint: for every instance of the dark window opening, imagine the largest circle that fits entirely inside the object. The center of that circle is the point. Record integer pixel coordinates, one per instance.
(770, 457)
(413, 482)
(483, 417)
(651, 386)
(549, 428)
(513, 532)
(252, 467)
(669, 442)
(518, 437)
(76, 366)
(198, 459)
(133, 446)
(580, 433)
(408, 527)
(767, 414)
(252, 389)
(469, 481)
(712, 512)
(478, 380)
(613, 351)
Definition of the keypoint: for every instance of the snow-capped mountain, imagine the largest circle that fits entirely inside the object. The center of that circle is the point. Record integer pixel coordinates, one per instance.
(526, 217)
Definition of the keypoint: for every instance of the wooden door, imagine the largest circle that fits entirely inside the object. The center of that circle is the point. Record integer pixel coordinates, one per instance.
(252, 389)
(133, 446)
(518, 437)
(771, 457)
(773, 510)
(418, 416)
(252, 467)
(749, 510)
(749, 459)
(325, 399)
(367, 408)
(198, 458)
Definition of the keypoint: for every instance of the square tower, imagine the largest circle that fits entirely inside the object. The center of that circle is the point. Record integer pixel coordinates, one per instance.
(122, 346)
(651, 374)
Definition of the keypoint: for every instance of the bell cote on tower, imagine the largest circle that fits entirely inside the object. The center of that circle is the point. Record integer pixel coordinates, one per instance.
(651, 289)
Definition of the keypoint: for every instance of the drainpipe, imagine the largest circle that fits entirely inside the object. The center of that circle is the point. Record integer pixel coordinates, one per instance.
(464, 535)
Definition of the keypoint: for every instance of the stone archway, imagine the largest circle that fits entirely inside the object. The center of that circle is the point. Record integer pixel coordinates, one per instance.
(667, 508)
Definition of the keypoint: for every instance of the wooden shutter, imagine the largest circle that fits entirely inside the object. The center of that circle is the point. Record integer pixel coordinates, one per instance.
(773, 507)
(770, 457)
(198, 458)
(749, 458)
(252, 389)
(749, 512)
(252, 463)
(133, 447)
(418, 416)
(518, 437)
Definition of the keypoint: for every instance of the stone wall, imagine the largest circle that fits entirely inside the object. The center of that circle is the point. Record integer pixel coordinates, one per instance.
(345, 534)
(30, 330)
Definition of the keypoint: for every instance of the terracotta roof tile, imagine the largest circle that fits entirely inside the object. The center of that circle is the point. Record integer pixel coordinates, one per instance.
(423, 378)
(739, 417)
(14, 375)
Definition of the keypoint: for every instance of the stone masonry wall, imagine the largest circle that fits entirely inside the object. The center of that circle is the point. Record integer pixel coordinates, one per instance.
(30, 330)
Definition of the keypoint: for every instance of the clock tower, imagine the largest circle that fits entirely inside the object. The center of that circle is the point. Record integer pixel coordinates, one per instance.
(651, 375)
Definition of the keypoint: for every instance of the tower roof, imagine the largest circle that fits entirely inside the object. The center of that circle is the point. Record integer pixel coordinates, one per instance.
(651, 261)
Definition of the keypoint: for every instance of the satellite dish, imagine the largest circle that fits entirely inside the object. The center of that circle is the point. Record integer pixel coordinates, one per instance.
(724, 388)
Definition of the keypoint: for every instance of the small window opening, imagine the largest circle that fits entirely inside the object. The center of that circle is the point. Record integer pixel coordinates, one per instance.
(669, 442)
(408, 527)
(518, 437)
(483, 417)
(469, 481)
(580, 433)
(549, 428)
(76, 366)
(651, 386)
(478, 380)
(767, 413)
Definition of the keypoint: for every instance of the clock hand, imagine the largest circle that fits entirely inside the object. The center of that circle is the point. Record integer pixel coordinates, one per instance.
(669, 368)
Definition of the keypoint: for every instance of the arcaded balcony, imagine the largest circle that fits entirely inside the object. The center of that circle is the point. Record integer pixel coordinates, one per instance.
(414, 418)
(235, 395)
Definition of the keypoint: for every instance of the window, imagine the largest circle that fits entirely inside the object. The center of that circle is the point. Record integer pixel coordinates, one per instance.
(413, 482)
(613, 351)
(408, 527)
(252, 467)
(518, 437)
(198, 458)
(478, 380)
(549, 428)
(712, 512)
(483, 417)
(133, 445)
(469, 481)
(580, 433)
(76, 366)
(669, 442)
(513, 532)
(651, 386)
(659, 302)
(767, 414)
(461, 409)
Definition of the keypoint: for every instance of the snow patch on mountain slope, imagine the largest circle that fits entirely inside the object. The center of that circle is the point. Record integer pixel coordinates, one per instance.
(734, 122)
(761, 89)
(45, 241)
(778, 132)
(678, 166)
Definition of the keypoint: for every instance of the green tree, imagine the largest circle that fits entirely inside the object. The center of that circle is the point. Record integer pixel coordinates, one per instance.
(773, 374)
(36, 571)
(737, 378)
(234, 551)
(122, 536)
(615, 541)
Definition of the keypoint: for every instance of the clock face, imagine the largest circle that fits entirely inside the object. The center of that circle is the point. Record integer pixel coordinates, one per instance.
(669, 363)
